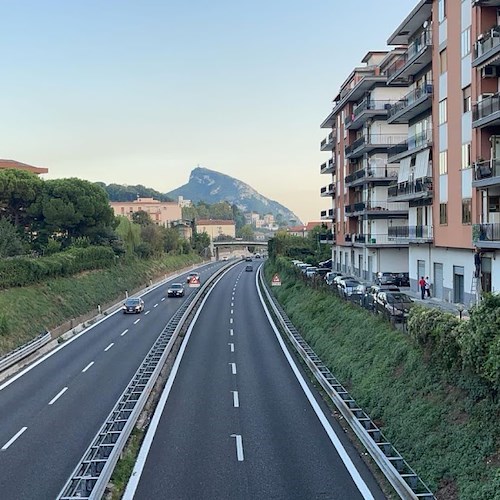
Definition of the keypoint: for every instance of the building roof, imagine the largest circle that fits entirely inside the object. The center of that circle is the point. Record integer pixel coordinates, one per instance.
(4, 164)
(214, 222)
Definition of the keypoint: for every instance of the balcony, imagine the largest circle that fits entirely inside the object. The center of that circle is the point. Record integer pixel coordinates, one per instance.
(328, 144)
(412, 144)
(380, 174)
(328, 214)
(486, 3)
(328, 167)
(377, 209)
(486, 173)
(327, 191)
(486, 113)
(418, 189)
(414, 103)
(486, 235)
(487, 47)
(411, 234)
(373, 240)
(370, 143)
(418, 55)
(365, 110)
(327, 239)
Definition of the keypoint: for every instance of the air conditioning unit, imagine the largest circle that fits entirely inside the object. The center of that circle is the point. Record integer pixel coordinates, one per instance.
(489, 72)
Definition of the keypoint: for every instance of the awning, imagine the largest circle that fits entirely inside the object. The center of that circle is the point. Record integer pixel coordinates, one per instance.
(404, 169)
(422, 164)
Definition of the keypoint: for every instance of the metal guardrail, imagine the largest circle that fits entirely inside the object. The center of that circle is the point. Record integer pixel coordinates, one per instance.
(23, 351)
(402, 477)
(91, 476)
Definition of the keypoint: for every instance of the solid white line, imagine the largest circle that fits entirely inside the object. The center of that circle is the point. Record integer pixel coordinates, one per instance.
(233, 368)
(124, 332)
(137, 321)
(57, 396)
(356, 476)
(231, 320)
(147, 312)
(109, 346)
(156, 305)
(231, 346)
(239, 447)
(231, 332)
(13, 438)
(87, 367)
(236, 399)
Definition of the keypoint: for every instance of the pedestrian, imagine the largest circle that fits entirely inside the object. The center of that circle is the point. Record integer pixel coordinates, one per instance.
(427, 287)
(477, 263)
(421, 284)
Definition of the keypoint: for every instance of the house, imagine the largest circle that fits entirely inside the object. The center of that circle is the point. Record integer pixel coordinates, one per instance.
(161, 213)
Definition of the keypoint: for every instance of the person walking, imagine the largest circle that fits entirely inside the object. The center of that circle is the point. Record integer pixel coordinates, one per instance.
(421, 284)
(427, 287)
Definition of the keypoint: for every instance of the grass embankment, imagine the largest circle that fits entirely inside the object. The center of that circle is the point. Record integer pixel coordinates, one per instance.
(27, 311)
(451, 438)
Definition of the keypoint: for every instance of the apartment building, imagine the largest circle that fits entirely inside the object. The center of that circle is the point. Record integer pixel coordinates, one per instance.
(446, 59)
(161, 213)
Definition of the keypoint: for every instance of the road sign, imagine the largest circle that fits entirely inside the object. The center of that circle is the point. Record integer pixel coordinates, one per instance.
(194, 282)
(276, 281)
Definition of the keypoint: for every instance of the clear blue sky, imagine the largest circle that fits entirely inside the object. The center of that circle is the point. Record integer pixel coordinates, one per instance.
(143, 91)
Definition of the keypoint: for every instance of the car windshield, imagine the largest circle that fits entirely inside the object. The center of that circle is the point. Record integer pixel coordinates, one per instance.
(176, 286)
(132, 302)
(398, 298)
(352, 283)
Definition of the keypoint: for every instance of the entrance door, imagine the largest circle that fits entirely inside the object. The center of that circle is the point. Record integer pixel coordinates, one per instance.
(438, 280)
(420, 269)
(458, 285)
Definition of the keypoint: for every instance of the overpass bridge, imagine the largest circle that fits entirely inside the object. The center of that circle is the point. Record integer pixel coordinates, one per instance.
(234, 244)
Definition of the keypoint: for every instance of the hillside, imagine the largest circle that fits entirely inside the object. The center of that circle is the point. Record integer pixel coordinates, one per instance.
(213, 187)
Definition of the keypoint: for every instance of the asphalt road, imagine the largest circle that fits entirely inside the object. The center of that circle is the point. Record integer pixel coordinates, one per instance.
(50, 414)
(236, 423)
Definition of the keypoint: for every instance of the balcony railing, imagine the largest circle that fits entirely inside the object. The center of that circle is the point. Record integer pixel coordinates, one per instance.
(373, 140)
(486, 107)
(486, 169)
(376, 206)
(486, 232)
(415, 48)
(415, 187)
(373, 172)
(327, 166)
(411, 232)
(327, 239)
(359, 174)
(327, 190)
(327, 214)
(367, 104)
(329, 142)
(410, 99)
(416, 141)
(487, 41)
(373, 239)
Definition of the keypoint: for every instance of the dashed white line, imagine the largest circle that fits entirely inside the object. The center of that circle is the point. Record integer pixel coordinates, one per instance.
(57, 396)
(239, 447)
(231, 332)
(87, 367)
(147, 312)
(232, 311)
(124, 333)
(233, 368)
(156, 305)
(13, 438)
(109, 346)
(137, 321)
(236, 399)
(231, 346)
(162, 299)
(232, 304)
(231, 320)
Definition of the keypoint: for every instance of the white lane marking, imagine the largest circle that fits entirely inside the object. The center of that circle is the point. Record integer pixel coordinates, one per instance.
(231, 346)
(124, 333)
(231, 332)
(57, 396)
(147, 312)
(231, 320)
(356, 476)
(87, 367)
(232, 304)
(233, 368)
(162, 299)
(109, 347)
(156, 305)
(137, 321)
(236, 399)
(13, 438)
(239, 447)
(232, 311)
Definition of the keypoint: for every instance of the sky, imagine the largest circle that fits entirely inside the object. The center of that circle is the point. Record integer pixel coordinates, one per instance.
(141, 92)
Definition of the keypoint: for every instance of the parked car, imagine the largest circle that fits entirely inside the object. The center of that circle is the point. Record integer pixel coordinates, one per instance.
(386, 278)
(323, 271)
(350, 287)
(176, 290)
(192, 274)
(249, 268)
(330, 276)
(311, 271)
(372, 291)
(326, 263)
(395, 305)
(133, 305)
(402, 279)
(303, 266)
(336, 279)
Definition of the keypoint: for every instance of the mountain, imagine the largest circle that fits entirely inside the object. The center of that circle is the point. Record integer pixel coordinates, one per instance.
(213, 187)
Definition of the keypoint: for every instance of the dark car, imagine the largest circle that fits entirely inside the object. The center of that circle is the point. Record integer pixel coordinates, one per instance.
(394, 305)
(386, 279)
(176, 290)
(402, 279)
(133, 305)
(326, 263)
(249, 268)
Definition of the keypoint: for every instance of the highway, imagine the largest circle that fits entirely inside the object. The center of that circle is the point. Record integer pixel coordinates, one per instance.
(239, 420)
(50, 412)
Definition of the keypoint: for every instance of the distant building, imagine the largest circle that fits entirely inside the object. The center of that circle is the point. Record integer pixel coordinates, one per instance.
(17, 165)
(183, 203)
(161, 213)
(305, 229)
(215, 228)
(184, 228)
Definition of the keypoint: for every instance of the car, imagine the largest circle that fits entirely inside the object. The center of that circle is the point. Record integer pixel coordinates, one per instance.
(133, 305)
(394, 305)
(336, 279)
(192, 274)
(372, 291)
(330, 276)
(386, 278)
(402, 279)
(303, 266)
(311, 271)
(248, 259)
(323, 271)
(326, 263)
(257, 255)
(225, 258)
(176, 290)
(249, 268)
(350, 288)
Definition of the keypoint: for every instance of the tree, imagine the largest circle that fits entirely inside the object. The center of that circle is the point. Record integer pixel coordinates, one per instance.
(201, 242)
(171, 240)
(130, 233)
(154, 236)
(142, 218)
(246, 233)
(11, 242)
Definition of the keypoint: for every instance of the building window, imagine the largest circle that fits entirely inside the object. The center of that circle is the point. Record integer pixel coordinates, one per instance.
(443, 162)
(466, 163)
(443, 111)
(466, 42)
(443, 213)
(466, 211)
(443, 62)
(441, 10)
(466, 99)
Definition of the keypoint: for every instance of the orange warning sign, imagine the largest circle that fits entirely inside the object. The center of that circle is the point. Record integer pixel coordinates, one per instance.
(276, 281)
(194, 282)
